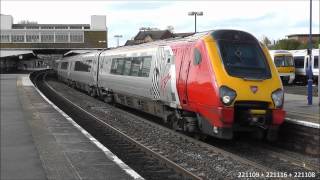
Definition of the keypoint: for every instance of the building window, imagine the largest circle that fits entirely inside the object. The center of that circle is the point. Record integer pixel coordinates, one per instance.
(5, 38)
(75, 27)
(76, 36)
(32, 27)
(18, 27)
(47, 27)
(61, 27)
(62, 37)
(32, 38)
(47, 38)
(17, 38)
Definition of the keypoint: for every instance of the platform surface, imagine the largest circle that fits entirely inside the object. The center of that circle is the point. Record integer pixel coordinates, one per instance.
(38, 142)
(19, 156)
(297, 108)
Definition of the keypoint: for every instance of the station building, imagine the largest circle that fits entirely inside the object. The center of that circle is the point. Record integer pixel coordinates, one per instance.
(20, 42)
(304, 38)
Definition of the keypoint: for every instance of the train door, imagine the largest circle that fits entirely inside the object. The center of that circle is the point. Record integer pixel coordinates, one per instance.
(155, 81)
(168, 90)
(183, 75)
(94, 68)
(69, 69)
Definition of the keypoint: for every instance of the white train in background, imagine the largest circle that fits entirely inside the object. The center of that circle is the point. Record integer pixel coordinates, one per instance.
(283, 60)
(301, 59)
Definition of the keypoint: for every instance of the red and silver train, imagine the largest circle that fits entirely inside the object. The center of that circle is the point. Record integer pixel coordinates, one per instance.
(214, 83)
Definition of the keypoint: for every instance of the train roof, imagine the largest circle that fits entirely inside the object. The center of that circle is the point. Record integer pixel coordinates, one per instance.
(218, 33)
(164, 42)
(303, 52)
(273, 52)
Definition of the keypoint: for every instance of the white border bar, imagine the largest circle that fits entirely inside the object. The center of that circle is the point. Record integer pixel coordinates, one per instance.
(303, 123)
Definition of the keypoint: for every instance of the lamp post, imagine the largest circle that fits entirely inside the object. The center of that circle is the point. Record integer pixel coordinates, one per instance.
(319, 75)
(118, 37)
(310, 60)
(195, 14)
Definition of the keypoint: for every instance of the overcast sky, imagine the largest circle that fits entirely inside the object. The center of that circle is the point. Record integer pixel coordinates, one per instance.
(274, 19)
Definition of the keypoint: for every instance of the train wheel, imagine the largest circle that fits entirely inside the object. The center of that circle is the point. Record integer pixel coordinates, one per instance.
(189, 124)
(93, 92)
(108, 98)
(174, 123)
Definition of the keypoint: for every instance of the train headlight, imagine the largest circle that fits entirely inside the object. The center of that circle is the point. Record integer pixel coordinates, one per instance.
(277, 97)
(227, 95)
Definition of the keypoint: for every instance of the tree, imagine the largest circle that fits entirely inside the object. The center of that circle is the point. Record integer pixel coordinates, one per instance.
(266, 41)
(291, 44)
(288, 44)
(170, 28)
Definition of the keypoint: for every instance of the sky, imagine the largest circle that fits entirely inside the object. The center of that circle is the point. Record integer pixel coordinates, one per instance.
(273, 19)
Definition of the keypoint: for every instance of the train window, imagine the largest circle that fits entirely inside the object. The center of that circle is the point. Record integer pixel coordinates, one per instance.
(64, 65)
(131, 66)
(197, 56)
(135, 66)
(114, 66)
(244, 59)
(127, 67)
(145, 70)
(83, 66)
(279, 61)
(299, 61)
(120, 65)
(315, 62)
(289, 61)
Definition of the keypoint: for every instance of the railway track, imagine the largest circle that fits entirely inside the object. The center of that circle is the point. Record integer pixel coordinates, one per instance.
(167, 154)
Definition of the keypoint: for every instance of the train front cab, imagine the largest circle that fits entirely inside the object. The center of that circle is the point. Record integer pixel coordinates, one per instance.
(285, 65)
(236, 87)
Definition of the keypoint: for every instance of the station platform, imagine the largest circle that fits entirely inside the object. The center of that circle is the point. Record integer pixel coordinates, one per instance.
(39, 141)
(299, 112)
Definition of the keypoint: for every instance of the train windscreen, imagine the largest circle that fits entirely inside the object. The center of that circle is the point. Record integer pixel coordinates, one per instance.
(315, 62)
(283, 61)
(299, 61)
(244, 59)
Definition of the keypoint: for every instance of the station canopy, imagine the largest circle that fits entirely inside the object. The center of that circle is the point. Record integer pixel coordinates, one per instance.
(7, 53)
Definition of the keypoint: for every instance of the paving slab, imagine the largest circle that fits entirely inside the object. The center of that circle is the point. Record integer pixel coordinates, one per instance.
(297, 109)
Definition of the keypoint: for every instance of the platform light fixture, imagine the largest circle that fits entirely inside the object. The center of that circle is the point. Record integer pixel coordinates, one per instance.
(195, 14)
(118, 37)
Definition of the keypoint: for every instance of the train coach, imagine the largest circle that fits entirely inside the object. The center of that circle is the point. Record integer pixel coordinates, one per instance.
(283, 60)
(215, 83)
(301, 59)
